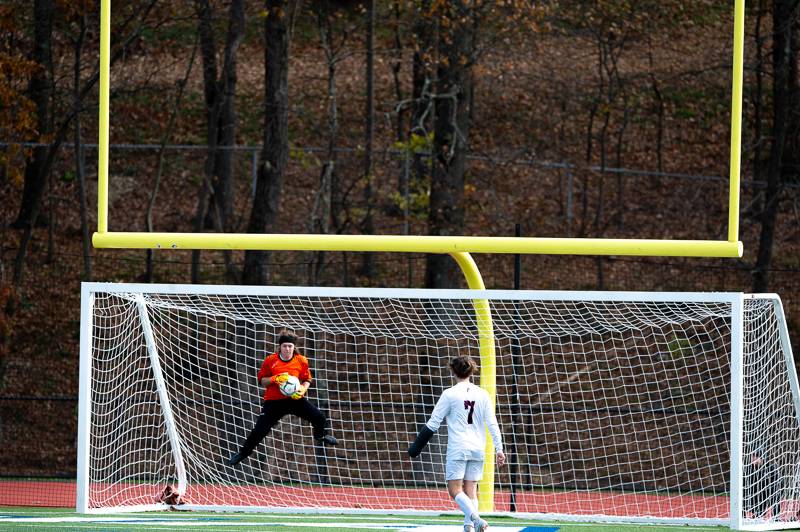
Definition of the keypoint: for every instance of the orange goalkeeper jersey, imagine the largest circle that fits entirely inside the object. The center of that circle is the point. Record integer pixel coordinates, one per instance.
(273, 365)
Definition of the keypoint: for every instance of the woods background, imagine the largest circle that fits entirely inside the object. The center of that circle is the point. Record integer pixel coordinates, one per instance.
(569, 118)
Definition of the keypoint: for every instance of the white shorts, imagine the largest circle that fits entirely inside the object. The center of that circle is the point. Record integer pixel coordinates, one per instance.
(464, 470)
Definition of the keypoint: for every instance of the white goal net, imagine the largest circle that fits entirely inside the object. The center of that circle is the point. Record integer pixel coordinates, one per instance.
(656, 407)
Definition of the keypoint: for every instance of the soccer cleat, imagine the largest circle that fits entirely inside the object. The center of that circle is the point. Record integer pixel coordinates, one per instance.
(480, 525)
(468, 528)
(328, 440)
(235, 459)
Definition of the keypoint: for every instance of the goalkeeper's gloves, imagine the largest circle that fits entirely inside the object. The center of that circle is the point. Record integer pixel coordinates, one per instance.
(279, 379)
(422, 440)
(299, 393)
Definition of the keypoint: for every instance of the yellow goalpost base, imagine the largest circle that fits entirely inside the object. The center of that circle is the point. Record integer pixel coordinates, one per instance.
(419, 244)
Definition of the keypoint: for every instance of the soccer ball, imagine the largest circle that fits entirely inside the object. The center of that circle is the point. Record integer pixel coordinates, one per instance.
(291, 385)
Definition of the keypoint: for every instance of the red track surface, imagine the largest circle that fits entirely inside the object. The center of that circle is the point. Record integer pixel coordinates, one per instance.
(62, 494)
(37, 493)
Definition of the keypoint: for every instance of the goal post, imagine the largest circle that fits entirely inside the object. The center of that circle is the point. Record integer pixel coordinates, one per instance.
(737, 412)
(730, 248)
(618, 406)
(488, 361)
(84, 397)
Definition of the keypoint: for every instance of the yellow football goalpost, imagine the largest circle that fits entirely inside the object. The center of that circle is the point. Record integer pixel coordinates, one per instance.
(458, 247)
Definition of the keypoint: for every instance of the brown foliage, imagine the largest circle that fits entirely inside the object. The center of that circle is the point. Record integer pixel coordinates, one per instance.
(18, 119)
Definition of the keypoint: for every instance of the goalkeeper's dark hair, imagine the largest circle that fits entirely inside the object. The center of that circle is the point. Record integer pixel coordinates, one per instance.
(286, 337)
(463, 366)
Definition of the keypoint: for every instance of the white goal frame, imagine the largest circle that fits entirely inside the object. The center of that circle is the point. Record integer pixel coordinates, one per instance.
(736, 300)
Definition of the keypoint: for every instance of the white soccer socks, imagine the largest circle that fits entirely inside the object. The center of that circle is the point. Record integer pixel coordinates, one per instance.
(467, 518)
(470, 509)
(465, 503)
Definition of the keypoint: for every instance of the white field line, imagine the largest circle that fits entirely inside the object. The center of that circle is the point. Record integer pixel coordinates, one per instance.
(217, 522)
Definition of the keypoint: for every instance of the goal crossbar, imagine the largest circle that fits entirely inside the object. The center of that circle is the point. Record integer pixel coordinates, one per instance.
(419, 244)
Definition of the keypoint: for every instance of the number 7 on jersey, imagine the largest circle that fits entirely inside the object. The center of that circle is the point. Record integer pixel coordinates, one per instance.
(469, 405)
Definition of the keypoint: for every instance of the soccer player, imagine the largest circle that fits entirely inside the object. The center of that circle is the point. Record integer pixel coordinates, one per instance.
(274, 371)
(468, 411)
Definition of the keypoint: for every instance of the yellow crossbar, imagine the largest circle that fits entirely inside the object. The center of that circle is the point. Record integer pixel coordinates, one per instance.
(420, 244)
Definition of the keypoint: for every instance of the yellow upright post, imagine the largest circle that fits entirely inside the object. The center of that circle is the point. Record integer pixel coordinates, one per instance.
(102, 143)
(483, 316)
(736, 121)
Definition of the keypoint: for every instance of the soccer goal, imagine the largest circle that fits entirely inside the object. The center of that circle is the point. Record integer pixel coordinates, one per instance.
(651, 407)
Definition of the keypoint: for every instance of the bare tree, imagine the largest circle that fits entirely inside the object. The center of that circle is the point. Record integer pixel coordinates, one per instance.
(785, 127)
(422, 75)
(368, 225)
(397, 65)
(451, 133)
(80, 159)
(168, 130)
(215, 198)
(275, 151)
(655, 85)
(758, 94)
(40, 92)
(460, 44)
(139, 16)
(328, 199)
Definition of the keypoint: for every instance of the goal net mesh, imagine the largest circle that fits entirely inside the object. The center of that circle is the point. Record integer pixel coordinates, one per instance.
(607, 408)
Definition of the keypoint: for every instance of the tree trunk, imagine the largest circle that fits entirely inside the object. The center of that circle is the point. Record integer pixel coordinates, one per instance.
(659, 105)
(397, 65)
(368, 227)
(40, 91)
(211, 89)
(784, 57)
(227, 116)
(421, 80)
(80, 166)
(215, 200)
(329, 210)
(451, 134)
(328, 189)
(618, 164)
(151, 203)
(275, 152)
(758, 94)
(421, 68)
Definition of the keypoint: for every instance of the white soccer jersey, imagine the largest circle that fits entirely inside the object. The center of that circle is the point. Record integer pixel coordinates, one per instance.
(468, 411)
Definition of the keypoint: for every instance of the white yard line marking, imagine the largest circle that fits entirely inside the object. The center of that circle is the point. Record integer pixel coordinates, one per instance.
(223, 522)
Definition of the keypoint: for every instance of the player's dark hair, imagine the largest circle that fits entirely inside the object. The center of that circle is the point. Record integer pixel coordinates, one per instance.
(463, 366)
(285, 337)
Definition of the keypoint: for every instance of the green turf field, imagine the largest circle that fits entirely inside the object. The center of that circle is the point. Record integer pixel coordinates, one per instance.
(65, 519)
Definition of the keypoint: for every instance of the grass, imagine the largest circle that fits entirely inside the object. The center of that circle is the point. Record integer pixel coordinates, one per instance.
(68, 519)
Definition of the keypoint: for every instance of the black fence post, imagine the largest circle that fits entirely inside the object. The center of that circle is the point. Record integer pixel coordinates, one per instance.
(515, 405)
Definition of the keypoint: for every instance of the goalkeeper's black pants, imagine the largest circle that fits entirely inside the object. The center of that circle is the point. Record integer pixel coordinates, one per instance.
(272, 412)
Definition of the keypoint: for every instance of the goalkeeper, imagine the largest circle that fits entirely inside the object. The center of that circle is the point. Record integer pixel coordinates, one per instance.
(274, 371)
(469, 412)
